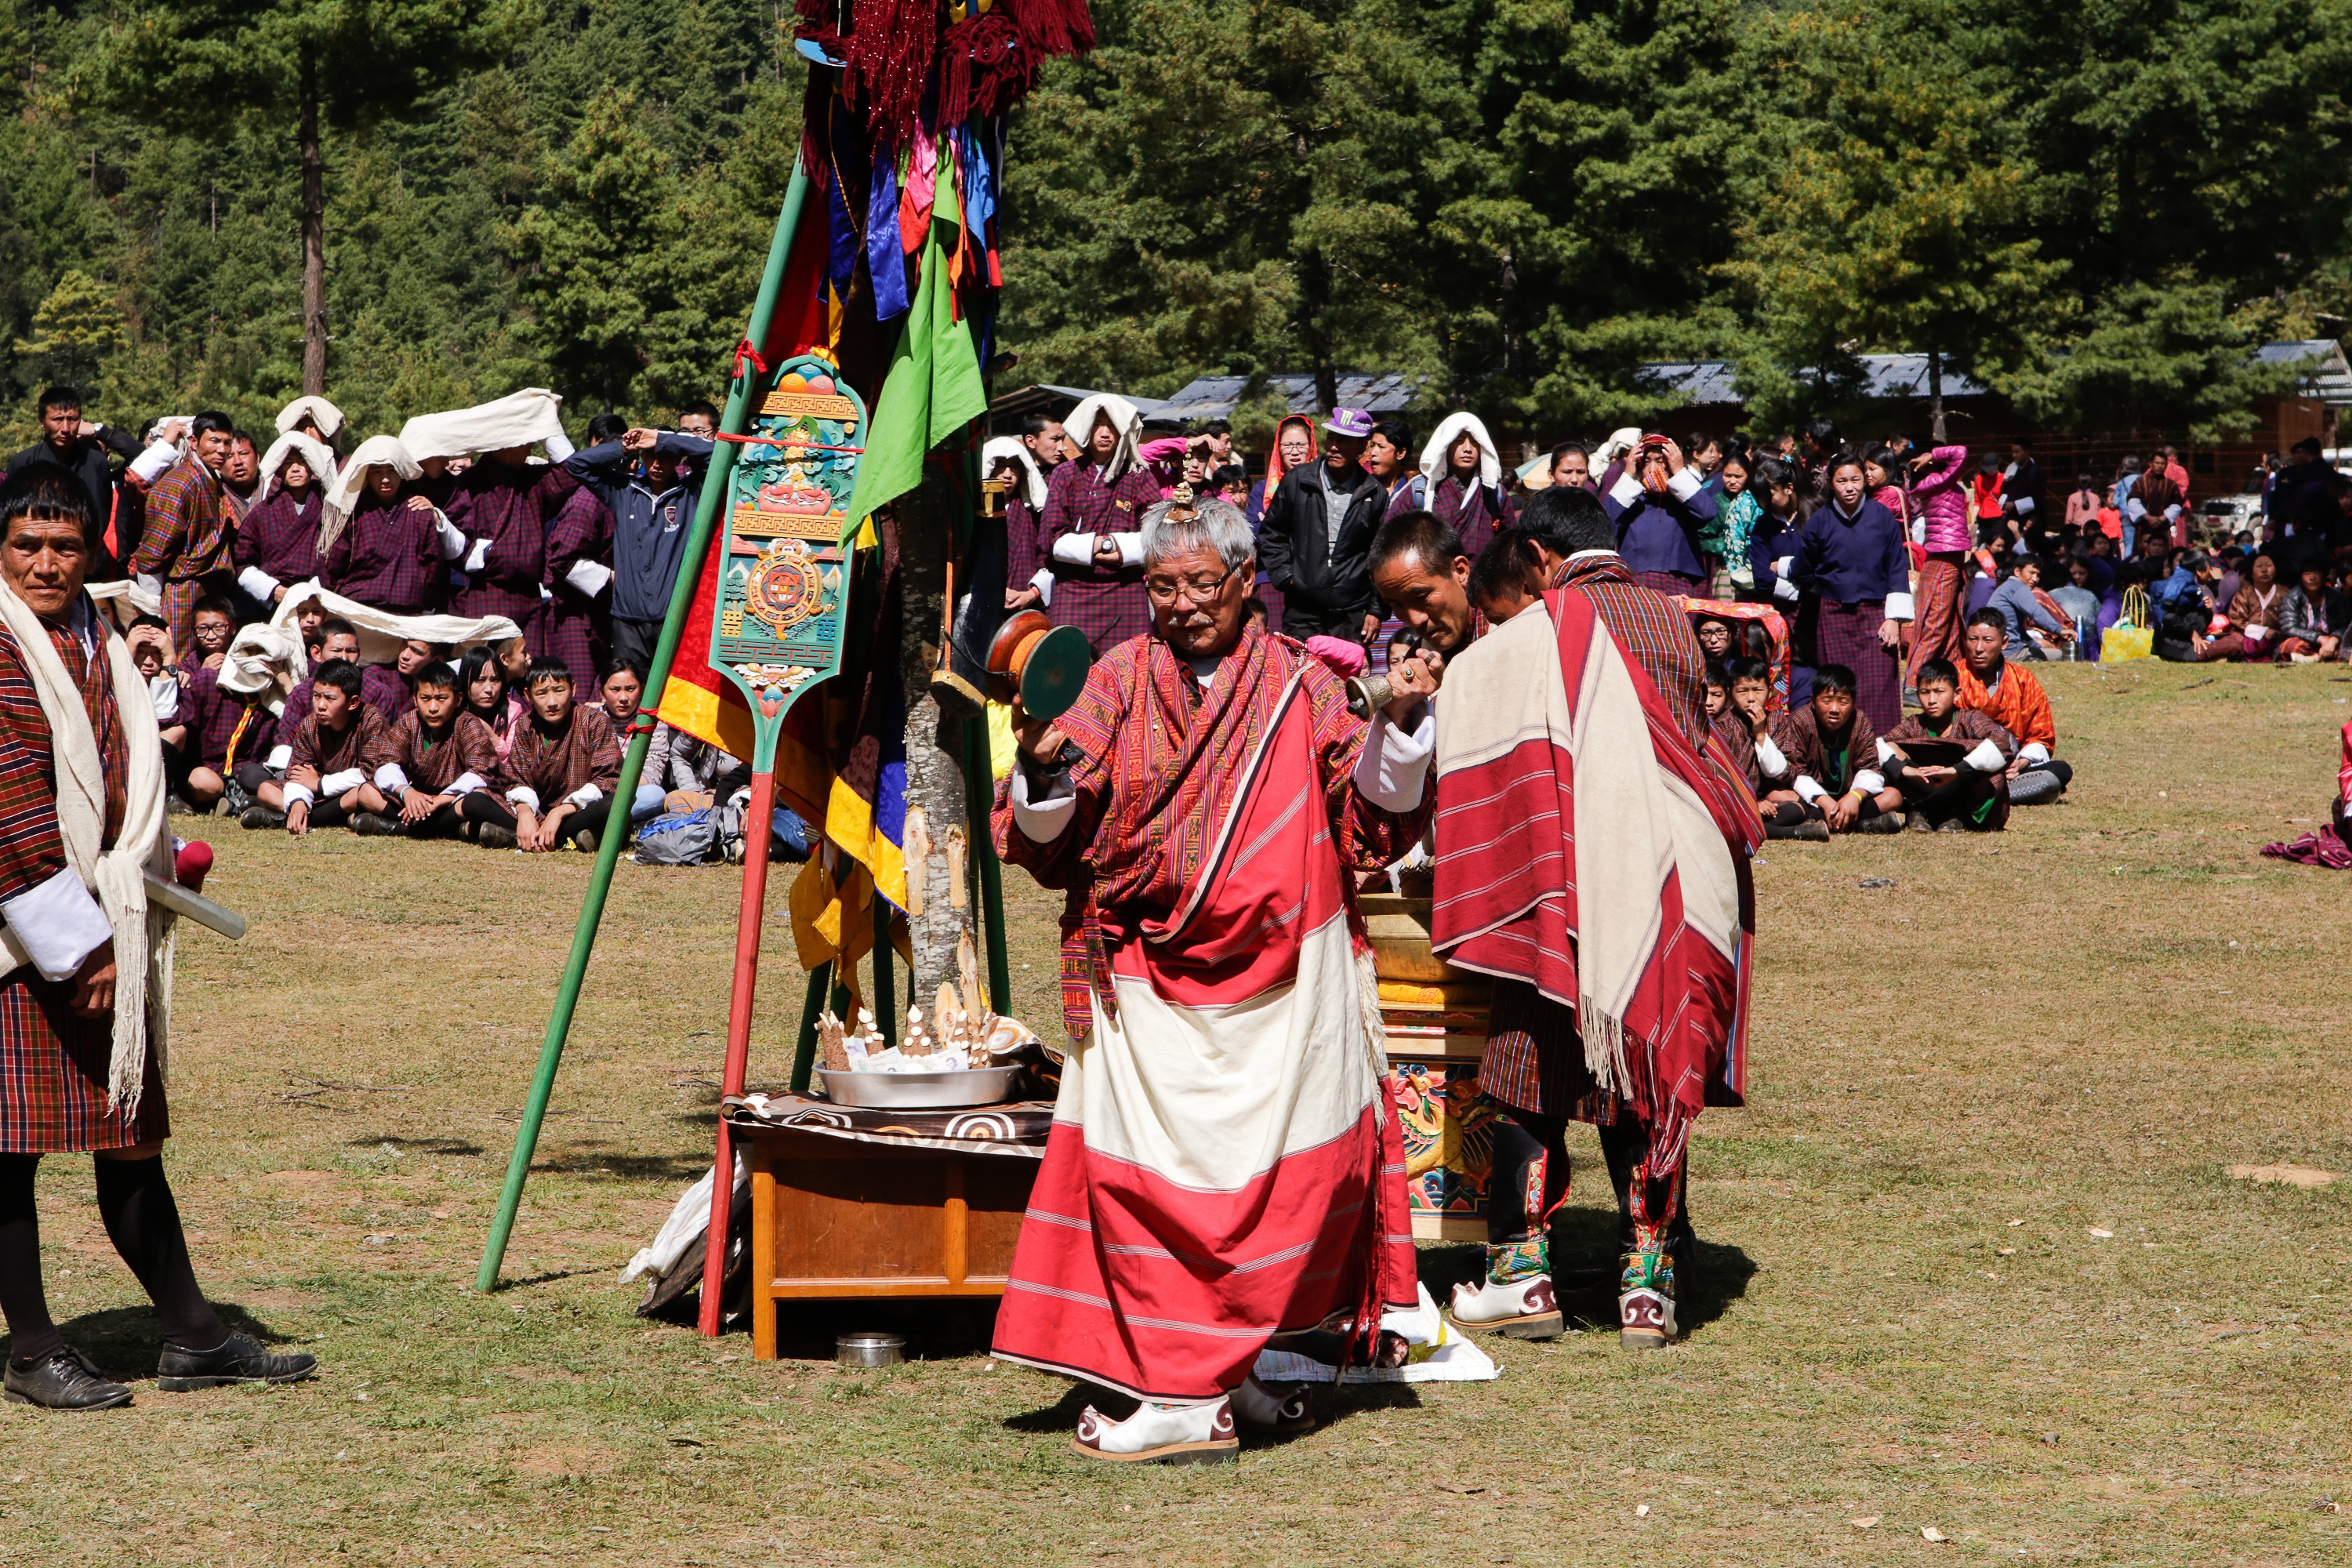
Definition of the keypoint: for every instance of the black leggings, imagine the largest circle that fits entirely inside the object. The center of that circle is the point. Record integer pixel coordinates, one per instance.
(1530, 1179)
(141, 1220)
(1967, 795)
(484, 808)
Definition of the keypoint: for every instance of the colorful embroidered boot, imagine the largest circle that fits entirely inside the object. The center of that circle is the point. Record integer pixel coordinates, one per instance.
(1516, 1298)
(1645, 1300)
(1161, 1434)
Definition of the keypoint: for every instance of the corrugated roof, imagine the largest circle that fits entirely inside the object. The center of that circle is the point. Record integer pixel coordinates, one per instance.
(1714, 381)
(2327, 375)
(1216, 396)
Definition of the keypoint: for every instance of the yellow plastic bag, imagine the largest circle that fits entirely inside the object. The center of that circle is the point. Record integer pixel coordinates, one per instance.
(2121, 643)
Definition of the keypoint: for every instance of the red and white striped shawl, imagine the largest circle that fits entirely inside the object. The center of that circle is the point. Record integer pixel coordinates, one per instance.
(1602, 924)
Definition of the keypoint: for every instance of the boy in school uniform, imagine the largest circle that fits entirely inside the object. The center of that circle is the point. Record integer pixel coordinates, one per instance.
(439, 759)
(1970, 796)
(336, 752)
(1829, 781)
(215, 629)
(561, 767)
(223, 730)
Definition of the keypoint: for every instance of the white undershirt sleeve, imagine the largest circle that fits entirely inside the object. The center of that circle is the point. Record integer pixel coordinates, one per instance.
(559, 447)
(466, 783)
(1769, 759)
(392, 779)
(279, 759)
(154, 462)
(342, 782)
(1898, 607)
(523, 795)
(1685, 484)
(1986, 758)
(59, 924)
(1809, 789)
(1393, 766)
(1626, 490)
(1131, 548)
(298, 791)
(1870, 781)
(1045, 818)
(585, 796)
(452, 541)
(478, 554)
(1044, 584)
(2032, 752)
(257, 583)
(1075, 549)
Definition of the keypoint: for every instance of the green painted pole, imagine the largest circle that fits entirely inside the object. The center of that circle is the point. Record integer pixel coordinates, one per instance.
(805, 1050)
(734, 422)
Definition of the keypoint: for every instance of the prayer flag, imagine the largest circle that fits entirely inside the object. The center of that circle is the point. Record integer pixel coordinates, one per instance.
(933, 390)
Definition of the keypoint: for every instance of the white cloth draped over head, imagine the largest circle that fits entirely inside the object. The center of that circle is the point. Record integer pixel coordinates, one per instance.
(323, 413)
(518, 419)
(1620, 442)
(343, 495)
(117, 877)
(1032, 478)
(293, 444)
(1434, 463)
(264, 659)
(1125, 417)
(381, 632)
(124, 600)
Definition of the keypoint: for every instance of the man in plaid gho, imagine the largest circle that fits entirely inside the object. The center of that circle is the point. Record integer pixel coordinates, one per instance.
(84, 1004)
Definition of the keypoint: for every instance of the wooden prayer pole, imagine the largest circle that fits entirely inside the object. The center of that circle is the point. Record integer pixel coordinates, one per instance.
(734, 421)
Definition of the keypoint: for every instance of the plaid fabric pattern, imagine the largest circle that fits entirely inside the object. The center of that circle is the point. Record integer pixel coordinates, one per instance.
(1935, 634)
(1535, 1059)
(53, 1064)
(364, 744)
(1966, 725)
(189, 526)
(1472, 510)
(1162, 764)
(1655, 634)
(510, 506)
(2015, 701)
(215, 717)
(1848, 635)
(433, 765)
(1671, 584)
(572, 625)
(553, 766)
(1024, 556)
(1107, 604)
(1735, 743)
(387, 557)
(380, 688)
(280, 536)
(1821, 758)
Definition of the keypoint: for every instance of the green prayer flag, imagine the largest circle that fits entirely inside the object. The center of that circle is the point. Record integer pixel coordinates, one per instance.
(933, 390)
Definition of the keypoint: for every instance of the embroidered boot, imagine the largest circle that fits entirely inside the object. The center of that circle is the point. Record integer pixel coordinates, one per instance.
(1286, 1408)
(1645, 1300)
(1515, 1299)
(1161, 1434)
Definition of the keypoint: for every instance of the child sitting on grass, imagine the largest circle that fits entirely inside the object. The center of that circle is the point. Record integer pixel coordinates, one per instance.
(562, 766)
(440, 763)
(1971, 796)
(336, 751)
(1828, 781)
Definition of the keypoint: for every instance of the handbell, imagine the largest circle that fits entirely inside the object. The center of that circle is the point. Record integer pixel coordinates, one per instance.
(1367, 694)
(1040, 665)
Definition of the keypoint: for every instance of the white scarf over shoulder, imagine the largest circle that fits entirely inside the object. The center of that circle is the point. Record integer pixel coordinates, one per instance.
(118, 876)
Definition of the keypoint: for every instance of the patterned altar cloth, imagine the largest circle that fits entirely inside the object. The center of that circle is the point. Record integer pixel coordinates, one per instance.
(1018, 1127)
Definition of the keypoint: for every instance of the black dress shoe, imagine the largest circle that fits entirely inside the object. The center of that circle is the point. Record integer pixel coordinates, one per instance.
(66, 1381)
(237, 1360)
(373, 824)
(258, 817)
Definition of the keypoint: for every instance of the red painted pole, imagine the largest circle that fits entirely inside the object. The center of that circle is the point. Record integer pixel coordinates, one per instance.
(758, 817)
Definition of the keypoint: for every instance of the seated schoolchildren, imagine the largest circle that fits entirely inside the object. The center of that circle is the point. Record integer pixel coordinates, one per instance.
(1971, 796)
(1827, 780)
(439, 764)
(394, 698)
(1741, 725)
(562, 765)
(2010, 695)
(329, 777)
(224, 729)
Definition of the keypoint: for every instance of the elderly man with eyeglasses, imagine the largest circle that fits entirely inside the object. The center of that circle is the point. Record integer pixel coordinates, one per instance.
(1221, 1167)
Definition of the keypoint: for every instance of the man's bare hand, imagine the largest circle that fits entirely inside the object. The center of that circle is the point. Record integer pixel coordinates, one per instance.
(415, 806)
(1935, 774)
(1022, 598)
(639, 440)
(303, 775)
(93, 983)
(1372, 625)
(297, 819)
(418, 503)
(1673, 459)
(1890, 633)
(1040, 739)
(1107, 551)
(1412, 681)
(1839, 812)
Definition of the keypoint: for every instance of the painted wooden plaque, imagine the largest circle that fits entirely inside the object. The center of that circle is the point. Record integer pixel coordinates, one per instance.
(785, 584)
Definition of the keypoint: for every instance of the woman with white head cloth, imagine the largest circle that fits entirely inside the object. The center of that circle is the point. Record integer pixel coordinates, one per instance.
(1092, 531)
(380, 543)
(1028, 580)
(277, 545)
(1461, 480)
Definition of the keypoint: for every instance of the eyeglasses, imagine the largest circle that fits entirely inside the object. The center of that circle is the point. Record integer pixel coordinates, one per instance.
(1164, 592)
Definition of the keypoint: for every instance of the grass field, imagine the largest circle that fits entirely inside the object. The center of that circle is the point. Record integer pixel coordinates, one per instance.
(1911, 1310)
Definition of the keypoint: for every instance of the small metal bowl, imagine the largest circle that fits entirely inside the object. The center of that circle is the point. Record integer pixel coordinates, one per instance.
(868, 1349)
(920, 1091)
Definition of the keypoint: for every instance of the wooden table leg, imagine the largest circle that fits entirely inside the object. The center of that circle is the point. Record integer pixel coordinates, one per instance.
(764, 1249)
(955, 1241)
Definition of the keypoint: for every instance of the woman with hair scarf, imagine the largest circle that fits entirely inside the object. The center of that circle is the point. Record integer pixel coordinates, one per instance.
(1461, 482)
(1294, 447)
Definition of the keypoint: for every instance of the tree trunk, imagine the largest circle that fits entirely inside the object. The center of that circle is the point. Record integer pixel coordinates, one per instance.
(935, 784)
(314, 235)
(1315, 286)
(1935, 396)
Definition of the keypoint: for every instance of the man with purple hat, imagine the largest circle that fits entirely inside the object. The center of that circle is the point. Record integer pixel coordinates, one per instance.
(1316, 539)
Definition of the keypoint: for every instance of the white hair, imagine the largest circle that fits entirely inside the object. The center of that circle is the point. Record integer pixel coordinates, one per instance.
(1216, 525)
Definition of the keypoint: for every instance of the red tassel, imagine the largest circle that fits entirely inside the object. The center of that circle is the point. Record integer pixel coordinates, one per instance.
(889, 53)
(1052, 28)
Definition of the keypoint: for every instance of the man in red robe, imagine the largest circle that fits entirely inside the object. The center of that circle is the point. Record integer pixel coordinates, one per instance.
(85, 1000)
(1223, 1166)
